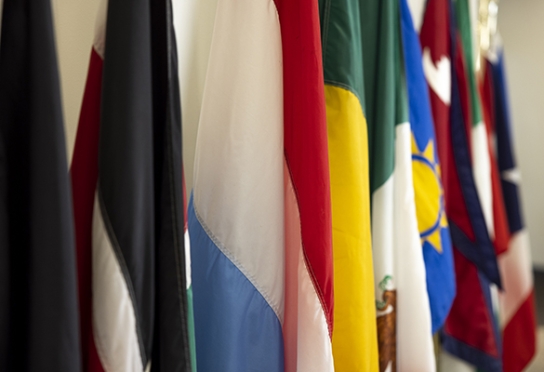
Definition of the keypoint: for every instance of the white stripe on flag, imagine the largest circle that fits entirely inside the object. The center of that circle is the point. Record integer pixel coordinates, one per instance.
(481, 168)
(515, 265)
(382, 235)
(238, 176)
(307, 343)
(193, 24)
(415, 348)
(187, 259)
(114, 322)
(398, 253)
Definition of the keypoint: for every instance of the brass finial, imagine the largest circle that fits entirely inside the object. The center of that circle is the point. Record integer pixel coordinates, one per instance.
(487, 28)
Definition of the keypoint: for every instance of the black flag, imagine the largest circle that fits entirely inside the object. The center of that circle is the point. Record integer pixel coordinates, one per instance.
(128, 198)
(38, 297)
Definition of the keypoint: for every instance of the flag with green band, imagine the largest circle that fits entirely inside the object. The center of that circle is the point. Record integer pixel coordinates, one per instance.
(354, 339)
(403, 313)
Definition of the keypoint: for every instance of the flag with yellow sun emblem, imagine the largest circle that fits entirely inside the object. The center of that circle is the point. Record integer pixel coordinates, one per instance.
(432, 221)
(429, 195)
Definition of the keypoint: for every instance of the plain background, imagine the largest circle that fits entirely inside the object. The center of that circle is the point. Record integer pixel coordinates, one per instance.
(520, 24)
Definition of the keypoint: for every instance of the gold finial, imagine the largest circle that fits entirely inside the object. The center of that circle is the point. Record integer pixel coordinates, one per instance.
(487, 28)
(493, 13)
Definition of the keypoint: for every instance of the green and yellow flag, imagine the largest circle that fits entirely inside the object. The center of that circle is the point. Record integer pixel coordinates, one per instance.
(354, 338)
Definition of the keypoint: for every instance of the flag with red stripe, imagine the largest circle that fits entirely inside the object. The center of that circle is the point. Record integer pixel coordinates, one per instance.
(517, 309)
(470, 330)
(127, 174)
(260, 218)
(307, 191)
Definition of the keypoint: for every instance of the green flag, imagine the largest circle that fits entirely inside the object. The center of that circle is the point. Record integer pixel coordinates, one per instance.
(403, 314)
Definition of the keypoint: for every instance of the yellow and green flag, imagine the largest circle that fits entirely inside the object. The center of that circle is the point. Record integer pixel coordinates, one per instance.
(354, 338)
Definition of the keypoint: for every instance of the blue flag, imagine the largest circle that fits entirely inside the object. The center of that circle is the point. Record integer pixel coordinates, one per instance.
(432, 221)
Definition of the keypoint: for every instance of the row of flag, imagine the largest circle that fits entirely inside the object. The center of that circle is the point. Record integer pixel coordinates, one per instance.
(93, 279)
(354, 204)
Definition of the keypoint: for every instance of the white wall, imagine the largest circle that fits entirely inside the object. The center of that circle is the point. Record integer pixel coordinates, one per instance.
(522, 28)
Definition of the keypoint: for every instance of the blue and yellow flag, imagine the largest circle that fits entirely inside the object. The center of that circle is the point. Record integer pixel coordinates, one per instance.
(429, 194)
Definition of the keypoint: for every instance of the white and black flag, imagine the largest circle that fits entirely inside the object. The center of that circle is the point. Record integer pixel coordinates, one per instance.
(128, 197)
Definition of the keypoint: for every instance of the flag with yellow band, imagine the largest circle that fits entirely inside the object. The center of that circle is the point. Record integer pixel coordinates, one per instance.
(354, 339)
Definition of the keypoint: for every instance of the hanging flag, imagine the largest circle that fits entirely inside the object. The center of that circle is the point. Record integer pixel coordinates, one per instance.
(354, 339)
(462, 205)
(39, 329)
(470, 332)
(309, 311)
(260, 219)
(403, 313)
(436, 61)
(466, 12)
(517, 309)
(236, 221)
(431, 215)
(188, 283)
(128, 198)
(500, 221)
(193, 24)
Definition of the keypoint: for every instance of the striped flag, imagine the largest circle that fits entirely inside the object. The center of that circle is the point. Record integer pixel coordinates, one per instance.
(309, 312)
(466, 13)
(260, 219)
(39, 328)
(354, 338)
(188, 283)
(436, 61)
(500, 221)
(450, 127)
(470, 335)
(403, 313)
(128, 199)
(517, 310)
(193, 24)
(431, 215)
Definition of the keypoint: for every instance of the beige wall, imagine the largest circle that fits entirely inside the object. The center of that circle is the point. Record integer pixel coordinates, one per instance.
(522, 30)
(74, 27)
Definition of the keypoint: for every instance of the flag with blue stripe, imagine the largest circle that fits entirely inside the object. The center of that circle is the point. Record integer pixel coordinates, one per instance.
(431, 216)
